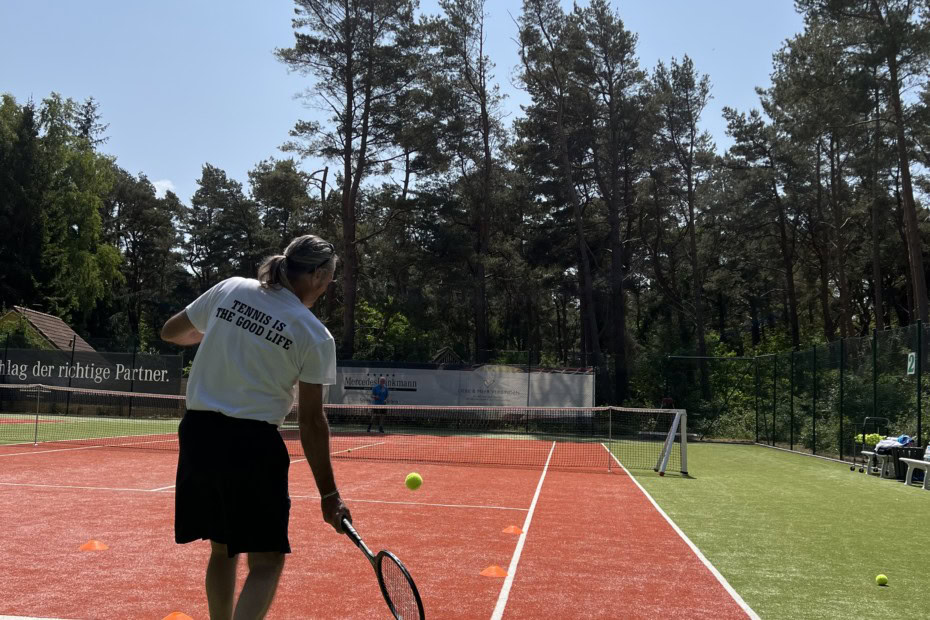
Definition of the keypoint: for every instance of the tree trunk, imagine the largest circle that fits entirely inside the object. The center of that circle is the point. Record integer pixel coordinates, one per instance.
(821, 241)
(350, 251)
(787, 254)
(696, 289)
(840, 243)
(589, 311)
(483, 241)
(915, 254)
(876, 231)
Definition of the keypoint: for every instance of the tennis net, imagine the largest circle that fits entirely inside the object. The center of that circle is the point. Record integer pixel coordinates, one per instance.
(577, 437)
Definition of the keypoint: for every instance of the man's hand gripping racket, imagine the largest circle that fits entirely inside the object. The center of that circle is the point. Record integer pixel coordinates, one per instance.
(397, 585)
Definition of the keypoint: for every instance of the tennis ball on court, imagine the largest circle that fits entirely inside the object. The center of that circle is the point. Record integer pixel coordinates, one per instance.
(881, 580)
(413, 481)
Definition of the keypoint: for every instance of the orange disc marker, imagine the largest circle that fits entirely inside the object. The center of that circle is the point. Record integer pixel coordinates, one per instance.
(177, 615)
(94, 545)
(513, 529)
(494, 571)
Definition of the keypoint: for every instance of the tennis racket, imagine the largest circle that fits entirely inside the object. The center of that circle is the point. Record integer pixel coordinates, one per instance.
(397, 587)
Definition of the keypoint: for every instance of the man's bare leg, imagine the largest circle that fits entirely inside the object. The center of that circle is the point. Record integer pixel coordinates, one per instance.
(260, 586)
(221, 582)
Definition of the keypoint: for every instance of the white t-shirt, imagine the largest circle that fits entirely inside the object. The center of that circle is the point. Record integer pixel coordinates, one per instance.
(257, 344)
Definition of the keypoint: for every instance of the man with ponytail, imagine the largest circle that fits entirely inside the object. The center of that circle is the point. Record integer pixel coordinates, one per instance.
(258, 340)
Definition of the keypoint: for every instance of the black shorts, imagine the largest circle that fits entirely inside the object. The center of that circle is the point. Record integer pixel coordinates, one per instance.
(232, 483)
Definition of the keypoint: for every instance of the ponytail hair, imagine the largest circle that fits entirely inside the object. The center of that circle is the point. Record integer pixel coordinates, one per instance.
(304, 254)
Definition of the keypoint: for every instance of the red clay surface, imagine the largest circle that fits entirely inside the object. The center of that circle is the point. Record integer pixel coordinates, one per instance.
(595, 548)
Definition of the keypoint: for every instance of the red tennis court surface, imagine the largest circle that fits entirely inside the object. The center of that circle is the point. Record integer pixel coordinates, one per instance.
(594, 546)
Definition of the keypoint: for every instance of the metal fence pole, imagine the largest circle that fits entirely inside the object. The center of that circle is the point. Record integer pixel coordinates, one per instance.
(757, 397)
(842, 379)
(919, 369)
(132, 375)
(874, 374)
(6, 357)
(791, 383)
(814, 404)
(529, 373)
(774, 394)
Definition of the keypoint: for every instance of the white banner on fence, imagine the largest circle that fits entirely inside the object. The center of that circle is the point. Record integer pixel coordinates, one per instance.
(496, 386)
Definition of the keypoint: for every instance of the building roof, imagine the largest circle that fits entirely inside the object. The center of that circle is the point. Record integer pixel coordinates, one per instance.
(54, 330)
(446, 355)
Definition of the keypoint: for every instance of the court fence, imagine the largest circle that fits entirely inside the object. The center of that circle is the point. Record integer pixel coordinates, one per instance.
(825, 400)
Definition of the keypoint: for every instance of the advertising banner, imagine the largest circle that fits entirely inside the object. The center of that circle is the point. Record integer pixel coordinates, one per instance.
(483, 386)
(122, 372)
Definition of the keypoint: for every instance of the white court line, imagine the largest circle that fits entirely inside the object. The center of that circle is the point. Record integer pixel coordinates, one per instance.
(368, 445)
(355, 500)
(351, 499)
(512, 569)
(726, 585)
(75, 487)
(114, 445)
(48, 451)
(26, 618)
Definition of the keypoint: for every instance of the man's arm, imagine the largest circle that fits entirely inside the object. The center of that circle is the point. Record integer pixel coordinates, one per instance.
(314, 438)
(179, 330)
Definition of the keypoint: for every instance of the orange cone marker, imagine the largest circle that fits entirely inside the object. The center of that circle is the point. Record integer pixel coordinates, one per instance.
(494, 571)
(513, 529)
(177, 615)
(94, 545)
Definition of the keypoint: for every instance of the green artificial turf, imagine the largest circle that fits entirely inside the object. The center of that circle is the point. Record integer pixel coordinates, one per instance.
(16, 429)
(801, 537)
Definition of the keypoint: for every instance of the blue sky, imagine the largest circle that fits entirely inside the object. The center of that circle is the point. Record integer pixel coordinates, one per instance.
(184, 82)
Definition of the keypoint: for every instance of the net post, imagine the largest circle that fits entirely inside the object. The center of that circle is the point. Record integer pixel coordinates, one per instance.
(669, 443)
(35, 436)
(70, 374)
(684, 443)
(610, 438)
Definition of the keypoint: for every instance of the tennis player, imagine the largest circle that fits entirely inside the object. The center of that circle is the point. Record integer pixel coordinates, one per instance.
(379, 396)
(258, 339)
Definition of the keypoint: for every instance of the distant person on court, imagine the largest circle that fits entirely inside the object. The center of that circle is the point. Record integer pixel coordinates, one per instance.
(258, 339)
(379, 396)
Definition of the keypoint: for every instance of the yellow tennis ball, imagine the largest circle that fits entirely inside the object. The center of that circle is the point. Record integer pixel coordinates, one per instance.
(413, 481)
(881, 580)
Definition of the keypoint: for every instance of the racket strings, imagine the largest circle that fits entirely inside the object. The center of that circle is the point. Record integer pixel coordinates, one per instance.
(399, 589)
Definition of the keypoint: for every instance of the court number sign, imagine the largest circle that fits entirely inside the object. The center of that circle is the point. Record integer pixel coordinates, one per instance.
(911, 363)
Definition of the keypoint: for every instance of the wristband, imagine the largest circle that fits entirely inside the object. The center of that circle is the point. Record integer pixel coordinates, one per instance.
(330, 494)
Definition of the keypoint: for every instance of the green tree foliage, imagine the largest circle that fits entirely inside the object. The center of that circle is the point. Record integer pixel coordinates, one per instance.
(223, 231)
(602, 228)
(144, 229)
(362, 55)
(54, 182)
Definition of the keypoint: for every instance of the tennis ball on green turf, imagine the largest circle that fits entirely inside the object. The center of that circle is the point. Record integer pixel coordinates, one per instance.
(413, 481)
(881, 580)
